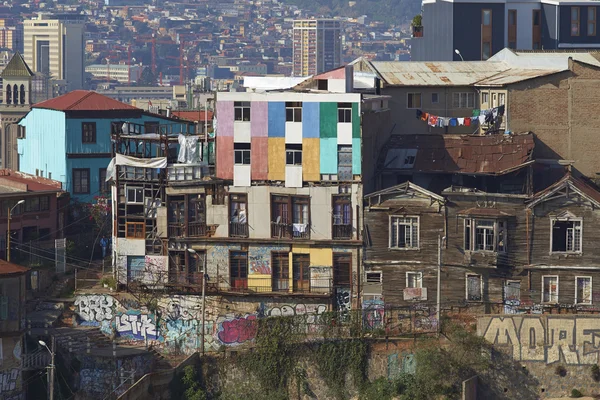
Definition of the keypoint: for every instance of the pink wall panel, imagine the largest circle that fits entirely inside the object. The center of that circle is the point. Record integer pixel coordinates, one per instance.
(224, 156)
(224, 118)
(259, 119)
(260, 153)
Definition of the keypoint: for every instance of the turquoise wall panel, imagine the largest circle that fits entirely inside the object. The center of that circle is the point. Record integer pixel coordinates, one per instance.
(277, 119)
(311, 120)
(329, 158)
(356, 156)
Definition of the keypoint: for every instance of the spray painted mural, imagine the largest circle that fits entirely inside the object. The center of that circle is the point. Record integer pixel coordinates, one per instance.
(177, 327)
(569, 339)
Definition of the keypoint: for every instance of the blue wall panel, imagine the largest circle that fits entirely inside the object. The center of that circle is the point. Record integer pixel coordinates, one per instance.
(310, 120)
(277, 119)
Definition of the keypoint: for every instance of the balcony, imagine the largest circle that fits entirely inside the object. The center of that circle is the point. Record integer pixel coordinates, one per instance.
(138, 173)
(290, 231)
(238, 229)
(192, 229)
(316, 286)
(185, 279)
(342, 232)
(417, 31)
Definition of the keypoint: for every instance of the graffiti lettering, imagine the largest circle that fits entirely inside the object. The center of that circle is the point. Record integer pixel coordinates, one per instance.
(238, 330)
(96, 308)
(572, 340)
(136, 326)
(9, 380)
(260, 267)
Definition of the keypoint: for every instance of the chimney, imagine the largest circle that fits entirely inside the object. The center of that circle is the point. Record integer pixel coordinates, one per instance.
(377, 86)
(349, 75)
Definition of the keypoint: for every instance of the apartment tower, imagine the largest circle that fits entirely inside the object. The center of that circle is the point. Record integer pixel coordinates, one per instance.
(53, 45)
(317, 46)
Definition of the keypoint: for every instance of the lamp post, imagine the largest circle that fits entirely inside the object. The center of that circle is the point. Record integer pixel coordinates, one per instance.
(51, 367)
(460, 55)
(204, 276)
(10, 210)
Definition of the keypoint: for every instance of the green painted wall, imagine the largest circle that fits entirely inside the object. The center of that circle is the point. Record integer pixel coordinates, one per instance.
(329, 119)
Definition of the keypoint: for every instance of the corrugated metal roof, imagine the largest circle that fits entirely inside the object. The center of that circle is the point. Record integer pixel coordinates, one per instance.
(514, 75)
(84, 100)
(7, 268)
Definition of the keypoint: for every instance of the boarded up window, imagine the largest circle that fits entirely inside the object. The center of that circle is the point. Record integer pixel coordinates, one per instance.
(474, 288)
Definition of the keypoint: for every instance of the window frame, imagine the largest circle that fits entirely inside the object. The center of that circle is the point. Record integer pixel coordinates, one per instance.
(295, 151)
(244, 108)
(410, 101)
(379, 280)
(241, 256)
(344, 113)
(470, 228)
(512, 12)
(574, 220)
(44, 203)
(103, 187)
(80, 171)
(437, 98)
(590, 302)
(293, 111)
(419, 279)
(135, 188)
(467, 287)
(470, 98)
(390, 225)
(88, 132)
(575, 22)
(557, 289)
(591, 10)
(342, 200)
(135, 231)
(483, 12)
(245, 153)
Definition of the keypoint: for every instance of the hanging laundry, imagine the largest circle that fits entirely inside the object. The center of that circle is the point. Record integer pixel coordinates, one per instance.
(468, 121)
(489, 117)
(475, 112)
(461, 121)
(433, 120)
(453, 122)
(501, 111)
(446, 122)
(419, 114)
(481, 119)
(474, 120)
(495, 112)
(425, 117)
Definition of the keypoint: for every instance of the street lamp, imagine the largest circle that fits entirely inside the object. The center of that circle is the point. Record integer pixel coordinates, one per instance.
(52, 367)
(204, 277)
(460, 55)
(10, 210)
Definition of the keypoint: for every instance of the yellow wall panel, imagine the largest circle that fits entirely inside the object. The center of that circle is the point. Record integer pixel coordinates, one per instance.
(311, 157)
(321, 257)
(276, 159)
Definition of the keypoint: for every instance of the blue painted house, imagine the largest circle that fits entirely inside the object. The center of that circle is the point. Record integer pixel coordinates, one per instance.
(68, 139)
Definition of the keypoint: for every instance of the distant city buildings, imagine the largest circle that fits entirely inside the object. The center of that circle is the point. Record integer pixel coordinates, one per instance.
(53, 46)
(317, 46)
(117, 72)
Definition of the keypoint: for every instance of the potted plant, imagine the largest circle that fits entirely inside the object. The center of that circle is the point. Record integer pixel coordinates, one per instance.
(417, 26)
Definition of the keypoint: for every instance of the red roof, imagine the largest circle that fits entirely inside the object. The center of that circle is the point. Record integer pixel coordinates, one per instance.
(7, 268)
(27, 182)
(193, 115)
(83, 100)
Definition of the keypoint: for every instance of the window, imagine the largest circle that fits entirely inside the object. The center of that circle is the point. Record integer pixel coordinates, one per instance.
(135, 195)
(342, 217)
(342, 266)
(300, 216)
(238, 269)
(501, 99)
(345, 163)
(537, 30)
(404, 232)
(574, 21)
(32, 204)
(134, 230)
(373, 277)
(566, 236)
(345, 112)
(550, 289)
(512, 29)
(301, 272)
(88, 132)
(281, 271)
(293, 111)
(591, 21)
(296, 225)
(293, 154)
(435, 98)
(102, 184)
(151, 127)
(44, 203)
(474, 288)
(81, 180)
(22, 94)
(238, 217)
(241, 110)
(3, 304)
(486, 50)
(512, 18)
(414, 279)
(241, 153)
(583, 290)
(536, 17)
(463, 100)
(413, 100)
(485, 235)
(485, 97)
(486, 19)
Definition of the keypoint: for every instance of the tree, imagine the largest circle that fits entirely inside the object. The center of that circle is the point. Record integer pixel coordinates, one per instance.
(147, 78)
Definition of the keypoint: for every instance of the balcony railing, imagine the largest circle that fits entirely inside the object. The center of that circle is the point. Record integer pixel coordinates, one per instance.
(185, 279)
(138, 173)
(290, 231)
(342, 231)
(193, 229)
(280, 285)
(238, 229)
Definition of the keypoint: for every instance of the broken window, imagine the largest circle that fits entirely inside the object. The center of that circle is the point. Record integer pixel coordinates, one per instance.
(550, 289)
(485, 235)
(404, 232)
(566, 236)
(414, 280)
(474, 288)
(583, 290)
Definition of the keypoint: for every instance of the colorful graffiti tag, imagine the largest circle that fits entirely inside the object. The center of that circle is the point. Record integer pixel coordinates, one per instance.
(238, 330)
(9, 380)
(136, 326)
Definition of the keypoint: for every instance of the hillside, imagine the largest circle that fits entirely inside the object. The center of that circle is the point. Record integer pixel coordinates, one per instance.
(389, 11)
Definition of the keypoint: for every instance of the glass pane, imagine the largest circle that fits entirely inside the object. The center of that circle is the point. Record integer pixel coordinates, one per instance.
(487, 15)
(574, 13)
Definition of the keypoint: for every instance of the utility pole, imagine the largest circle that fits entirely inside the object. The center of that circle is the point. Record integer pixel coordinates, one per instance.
(52, 369)
(10, 210)
(204, 277)
(439, 283)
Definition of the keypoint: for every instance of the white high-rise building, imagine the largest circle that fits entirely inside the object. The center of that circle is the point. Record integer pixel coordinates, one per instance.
(317, 46)
(54, 45)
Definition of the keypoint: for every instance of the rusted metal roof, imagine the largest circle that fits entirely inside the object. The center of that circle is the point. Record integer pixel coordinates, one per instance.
(575, 184)
(10, 269)
(84, 100)
(466, 154)
(515, 75)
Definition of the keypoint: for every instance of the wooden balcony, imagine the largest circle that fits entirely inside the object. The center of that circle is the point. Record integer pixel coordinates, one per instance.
(342, 232)
(238, 229)
(290, 231)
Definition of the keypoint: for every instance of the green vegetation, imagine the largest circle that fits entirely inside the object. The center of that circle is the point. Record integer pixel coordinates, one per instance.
(387, 11)
(576, 393)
